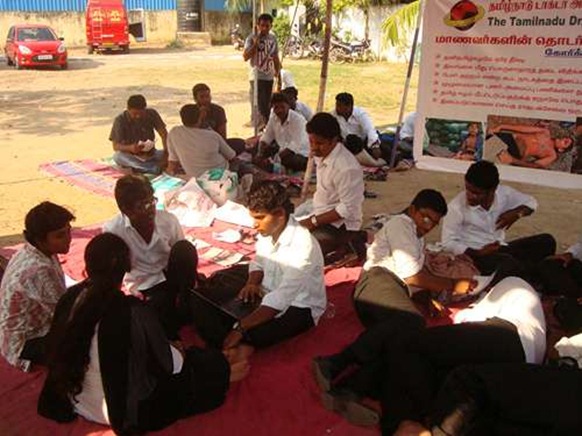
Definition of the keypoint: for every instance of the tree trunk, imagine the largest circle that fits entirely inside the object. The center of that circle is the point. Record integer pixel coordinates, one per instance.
(322, 87)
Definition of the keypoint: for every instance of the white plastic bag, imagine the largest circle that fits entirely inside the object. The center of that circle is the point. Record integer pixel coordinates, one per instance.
(191, 205)
(220, 185)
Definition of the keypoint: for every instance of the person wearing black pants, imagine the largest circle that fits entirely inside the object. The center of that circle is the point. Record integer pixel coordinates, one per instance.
(285, 280)
(509, 398)
(507, 325)
(478, 219)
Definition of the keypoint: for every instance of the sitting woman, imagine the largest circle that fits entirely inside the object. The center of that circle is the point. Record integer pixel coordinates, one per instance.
(471, 144)
(32, 285)
(109, 359)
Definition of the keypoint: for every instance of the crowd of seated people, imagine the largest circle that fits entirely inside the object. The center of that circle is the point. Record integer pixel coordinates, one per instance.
(101, 338)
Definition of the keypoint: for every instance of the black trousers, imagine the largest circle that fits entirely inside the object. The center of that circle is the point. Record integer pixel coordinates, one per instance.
(509, 399)
(213, 324)
(416, 368)
(264, 91)
(289, 159)
(332, 238)
(35, 350)
(383, 306)
(558, 279)
(169, 298)
(518, 258)
(201, 386)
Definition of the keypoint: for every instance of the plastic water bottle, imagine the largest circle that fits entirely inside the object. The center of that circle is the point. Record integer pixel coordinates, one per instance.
(277, 167)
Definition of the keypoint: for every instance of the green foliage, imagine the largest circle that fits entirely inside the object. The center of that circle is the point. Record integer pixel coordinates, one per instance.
(396, 27)
(175, 44)
(238, 5)
(282, 28)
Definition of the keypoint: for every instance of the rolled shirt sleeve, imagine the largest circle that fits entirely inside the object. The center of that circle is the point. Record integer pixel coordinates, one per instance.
(368, 127)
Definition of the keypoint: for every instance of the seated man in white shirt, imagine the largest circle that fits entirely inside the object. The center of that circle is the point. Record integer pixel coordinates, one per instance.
(339, 193)
(194, 149)
(285, 134)
(163, 263)
(286, 277)
(292, 94)
(357, 130)
(478, 218)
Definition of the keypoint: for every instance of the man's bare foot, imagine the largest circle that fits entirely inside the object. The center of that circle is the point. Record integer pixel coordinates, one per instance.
(411, 428)
(239, 370)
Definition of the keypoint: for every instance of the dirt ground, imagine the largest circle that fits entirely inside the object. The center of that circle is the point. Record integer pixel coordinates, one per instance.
(48, 115)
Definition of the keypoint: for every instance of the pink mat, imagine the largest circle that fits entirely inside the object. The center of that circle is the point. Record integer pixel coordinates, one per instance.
(94, 176)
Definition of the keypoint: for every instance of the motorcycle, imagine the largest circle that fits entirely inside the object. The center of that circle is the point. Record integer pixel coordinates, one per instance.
(357, 51)
(236, 38)
(293, 47)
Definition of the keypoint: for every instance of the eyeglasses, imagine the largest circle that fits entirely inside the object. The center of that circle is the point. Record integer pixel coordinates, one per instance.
(146, 204)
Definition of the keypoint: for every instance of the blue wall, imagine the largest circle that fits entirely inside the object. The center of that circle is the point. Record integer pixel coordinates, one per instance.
(79, 5)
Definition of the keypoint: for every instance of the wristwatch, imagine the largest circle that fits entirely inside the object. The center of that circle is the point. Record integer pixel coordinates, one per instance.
(313, 220)
(237, 327)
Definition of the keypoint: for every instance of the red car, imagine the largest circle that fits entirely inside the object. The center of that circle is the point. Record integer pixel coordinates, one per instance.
(34, 45)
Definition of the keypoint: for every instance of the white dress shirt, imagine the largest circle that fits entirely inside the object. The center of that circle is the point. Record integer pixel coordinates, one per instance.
(293, 270)
(289, 134)
(513, 300)
(467, 226)
(340, 187)
(397, 248)
(304, 110)
(359, 123)
(407, 129)
(148, 261)
(576, 249)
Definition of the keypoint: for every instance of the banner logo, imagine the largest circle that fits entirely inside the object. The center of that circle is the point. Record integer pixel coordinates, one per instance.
(463, 15)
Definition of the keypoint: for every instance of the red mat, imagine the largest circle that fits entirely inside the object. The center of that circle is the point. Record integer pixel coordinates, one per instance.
(278, 397)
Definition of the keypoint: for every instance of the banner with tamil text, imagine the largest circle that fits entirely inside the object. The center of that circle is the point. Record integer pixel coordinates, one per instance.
(502, 80)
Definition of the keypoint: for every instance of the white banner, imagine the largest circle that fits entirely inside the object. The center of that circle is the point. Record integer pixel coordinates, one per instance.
(502, 80)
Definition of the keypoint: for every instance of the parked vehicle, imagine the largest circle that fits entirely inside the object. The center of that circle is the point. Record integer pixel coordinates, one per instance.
(355, 51)
(107, 26)
(293, 47)
(236, 38)
(313, 48)
(34, 45)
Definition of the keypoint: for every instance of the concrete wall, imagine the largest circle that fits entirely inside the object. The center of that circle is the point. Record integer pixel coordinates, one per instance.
(219, 24)
(161, 26)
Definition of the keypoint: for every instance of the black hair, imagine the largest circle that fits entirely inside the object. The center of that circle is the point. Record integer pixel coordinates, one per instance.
(265, 17)
(279, 97)
(137, 101)
(107, 259)
(131, 189)
(430, 199)
(483, 175)
(199, 87)
(44, 218)
(189, 115)
(325, 125)
(291, 91)
(345, 98)
(267, 196)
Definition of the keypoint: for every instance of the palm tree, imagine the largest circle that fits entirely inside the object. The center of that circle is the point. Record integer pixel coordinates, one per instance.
(396, 27)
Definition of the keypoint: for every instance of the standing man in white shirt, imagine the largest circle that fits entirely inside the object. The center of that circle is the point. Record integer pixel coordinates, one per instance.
(339, 193)
(357, 130)
(286, 275)
(478, 218)
(163, 263)
(285, 134)
(196, 149)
